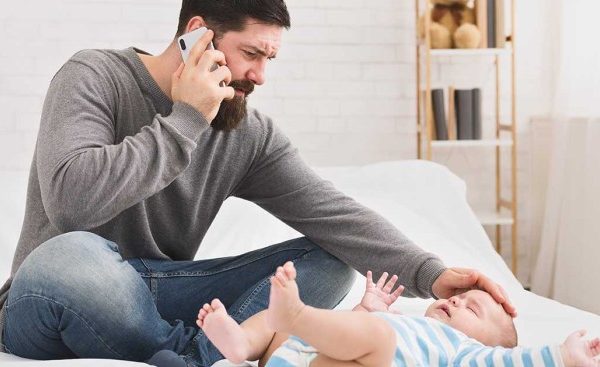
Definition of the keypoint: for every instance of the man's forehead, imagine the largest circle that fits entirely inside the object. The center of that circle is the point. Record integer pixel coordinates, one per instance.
(263, 36)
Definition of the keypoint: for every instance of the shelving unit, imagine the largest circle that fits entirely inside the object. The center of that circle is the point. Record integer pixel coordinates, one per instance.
(505, 213)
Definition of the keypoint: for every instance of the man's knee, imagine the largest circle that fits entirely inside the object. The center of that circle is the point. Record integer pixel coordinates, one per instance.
(72, 264)
(74, 244)
(331, 276)
(338, 271)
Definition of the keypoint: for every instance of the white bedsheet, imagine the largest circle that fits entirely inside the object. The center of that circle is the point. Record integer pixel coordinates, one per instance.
(423, 199)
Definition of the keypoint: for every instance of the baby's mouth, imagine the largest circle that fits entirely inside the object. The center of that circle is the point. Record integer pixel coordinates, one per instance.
(445, 309)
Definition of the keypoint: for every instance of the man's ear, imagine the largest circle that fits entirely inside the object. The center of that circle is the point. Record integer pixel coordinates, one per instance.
(195, 23)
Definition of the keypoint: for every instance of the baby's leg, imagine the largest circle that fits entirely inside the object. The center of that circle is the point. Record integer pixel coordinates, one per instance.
(238, 343)
(339, 336)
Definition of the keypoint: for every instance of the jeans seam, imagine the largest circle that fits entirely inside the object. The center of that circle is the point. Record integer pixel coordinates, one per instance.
(252, 295)
(149, 271)
(204, 273)
(85, 322)
(154, 289)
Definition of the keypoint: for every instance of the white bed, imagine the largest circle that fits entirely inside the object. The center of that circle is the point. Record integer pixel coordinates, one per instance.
(423, 199)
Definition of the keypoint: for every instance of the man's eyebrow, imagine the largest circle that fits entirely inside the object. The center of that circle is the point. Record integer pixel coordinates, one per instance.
(259, 50)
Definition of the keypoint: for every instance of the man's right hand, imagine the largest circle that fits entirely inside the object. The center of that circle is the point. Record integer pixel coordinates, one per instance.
(195, 84)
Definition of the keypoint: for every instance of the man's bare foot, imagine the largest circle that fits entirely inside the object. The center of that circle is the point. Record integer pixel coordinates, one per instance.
(224, 332)
(284, 301)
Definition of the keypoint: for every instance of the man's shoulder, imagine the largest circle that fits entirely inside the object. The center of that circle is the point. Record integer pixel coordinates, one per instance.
(107, 63)
(98, 56)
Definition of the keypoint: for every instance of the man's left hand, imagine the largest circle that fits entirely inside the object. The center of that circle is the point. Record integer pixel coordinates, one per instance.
(454, 281)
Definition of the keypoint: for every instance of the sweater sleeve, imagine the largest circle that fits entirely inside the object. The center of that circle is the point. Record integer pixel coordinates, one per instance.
(86, 177)
(483, 356)
(282, 183)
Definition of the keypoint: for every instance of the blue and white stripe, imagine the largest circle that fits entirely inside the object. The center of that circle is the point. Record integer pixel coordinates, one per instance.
(426, 342)
(435, 344)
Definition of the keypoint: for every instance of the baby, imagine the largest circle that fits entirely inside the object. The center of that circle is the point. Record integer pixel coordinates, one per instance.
(469, 329)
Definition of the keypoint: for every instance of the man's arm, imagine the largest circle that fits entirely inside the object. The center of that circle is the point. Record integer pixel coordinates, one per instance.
(85, 178)
(281, 183)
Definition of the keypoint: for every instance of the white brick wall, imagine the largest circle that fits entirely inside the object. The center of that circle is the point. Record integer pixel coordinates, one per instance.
(342, 86)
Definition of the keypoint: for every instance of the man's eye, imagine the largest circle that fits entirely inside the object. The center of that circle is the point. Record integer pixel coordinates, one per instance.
(251, 54)
(472, 310)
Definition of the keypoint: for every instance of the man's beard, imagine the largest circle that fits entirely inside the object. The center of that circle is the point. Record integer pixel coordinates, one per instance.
(233, 111)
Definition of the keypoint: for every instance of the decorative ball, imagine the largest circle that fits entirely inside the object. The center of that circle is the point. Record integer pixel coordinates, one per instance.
(440, 36)
(467, 36)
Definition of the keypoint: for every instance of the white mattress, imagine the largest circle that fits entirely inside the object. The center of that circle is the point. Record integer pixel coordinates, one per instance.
(423, 199)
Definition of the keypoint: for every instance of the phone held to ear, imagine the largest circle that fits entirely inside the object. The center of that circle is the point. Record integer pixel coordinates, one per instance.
(187, 41)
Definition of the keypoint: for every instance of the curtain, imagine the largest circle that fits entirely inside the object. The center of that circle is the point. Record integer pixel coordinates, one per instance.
(567, 263)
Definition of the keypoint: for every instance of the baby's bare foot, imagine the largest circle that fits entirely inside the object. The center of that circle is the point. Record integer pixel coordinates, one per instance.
(226, 334)
(284, 302)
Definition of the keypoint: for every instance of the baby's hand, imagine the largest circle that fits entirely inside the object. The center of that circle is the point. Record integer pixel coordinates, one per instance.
(379, 297)
(577, 352)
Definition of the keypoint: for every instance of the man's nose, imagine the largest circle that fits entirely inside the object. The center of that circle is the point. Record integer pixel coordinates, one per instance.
(257, 73)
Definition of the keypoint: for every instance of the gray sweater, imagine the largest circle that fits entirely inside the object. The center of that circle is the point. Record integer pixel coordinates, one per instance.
(116, 157)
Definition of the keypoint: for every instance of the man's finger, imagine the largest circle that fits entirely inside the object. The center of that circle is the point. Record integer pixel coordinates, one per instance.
(209, 59)
(222, 74)
(486, 284)
(177, 73)
(228, 92)
(198, 49)
(497, 292)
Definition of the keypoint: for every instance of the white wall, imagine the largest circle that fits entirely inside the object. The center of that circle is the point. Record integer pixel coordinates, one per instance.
(342, 86)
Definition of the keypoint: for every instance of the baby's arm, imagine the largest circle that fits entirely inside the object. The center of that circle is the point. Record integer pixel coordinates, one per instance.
(379, 296)
(483, 356)
(574, 352)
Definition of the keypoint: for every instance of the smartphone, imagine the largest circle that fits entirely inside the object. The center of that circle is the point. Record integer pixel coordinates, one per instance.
(188, 40)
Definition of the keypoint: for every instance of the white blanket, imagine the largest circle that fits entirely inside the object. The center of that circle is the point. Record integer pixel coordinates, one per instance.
(424, 200)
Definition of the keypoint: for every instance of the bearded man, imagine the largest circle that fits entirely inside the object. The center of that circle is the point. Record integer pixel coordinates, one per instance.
(135, 155)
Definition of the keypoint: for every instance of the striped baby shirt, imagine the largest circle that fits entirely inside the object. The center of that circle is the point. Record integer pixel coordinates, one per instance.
(423, 341)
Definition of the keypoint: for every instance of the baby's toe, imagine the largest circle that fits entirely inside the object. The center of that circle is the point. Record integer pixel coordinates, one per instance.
(216, 304)
(290, 270)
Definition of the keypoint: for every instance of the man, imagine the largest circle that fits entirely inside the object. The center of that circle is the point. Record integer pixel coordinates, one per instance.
(135, 155)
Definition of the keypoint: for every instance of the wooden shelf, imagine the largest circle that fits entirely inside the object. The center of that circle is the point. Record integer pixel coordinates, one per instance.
(492, 217)
(427, 61)
(471, 52)
(471, 143)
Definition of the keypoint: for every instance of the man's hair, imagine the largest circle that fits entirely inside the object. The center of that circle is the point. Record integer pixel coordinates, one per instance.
(231, 15)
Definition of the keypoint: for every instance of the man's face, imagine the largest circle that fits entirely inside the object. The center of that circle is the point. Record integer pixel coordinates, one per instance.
(475, 313)
(247, 54)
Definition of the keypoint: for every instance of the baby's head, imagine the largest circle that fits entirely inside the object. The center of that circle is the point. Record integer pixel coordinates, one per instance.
(478, 315)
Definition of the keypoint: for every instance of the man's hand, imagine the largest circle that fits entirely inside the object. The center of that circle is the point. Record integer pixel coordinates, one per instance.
(379, 296)
(195, 84)
(454, 281)
(577, 352)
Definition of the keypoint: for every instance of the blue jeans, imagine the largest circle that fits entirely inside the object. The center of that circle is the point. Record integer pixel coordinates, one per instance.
(75, 296)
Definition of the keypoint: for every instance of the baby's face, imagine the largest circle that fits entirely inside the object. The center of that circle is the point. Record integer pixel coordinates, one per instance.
(475, 313)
